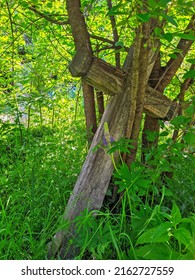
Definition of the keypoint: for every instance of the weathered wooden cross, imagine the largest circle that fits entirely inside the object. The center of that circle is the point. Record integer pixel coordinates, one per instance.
(110, 80)
(94, 178)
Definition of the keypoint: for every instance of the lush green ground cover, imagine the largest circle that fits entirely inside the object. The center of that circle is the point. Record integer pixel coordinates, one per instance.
(36, 178)
(154, 221)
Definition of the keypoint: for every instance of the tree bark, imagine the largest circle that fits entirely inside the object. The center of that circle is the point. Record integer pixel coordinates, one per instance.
(90, 111)
(79, 29)
(142, 81)
(180, 98)
(111, 80)
(151, 123)
(100, 104)
(80, 35)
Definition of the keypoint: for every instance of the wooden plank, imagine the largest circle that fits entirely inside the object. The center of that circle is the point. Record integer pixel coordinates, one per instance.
(156, 104)
(110, 80)
(80, 63)
(105, 77)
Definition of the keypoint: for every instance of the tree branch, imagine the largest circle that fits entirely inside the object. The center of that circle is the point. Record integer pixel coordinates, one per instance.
(100, 38)
(174, 63)
(180, 98)
(115, 34)
(184, 86)
(78, 26)
(33, 9)
(105, 40)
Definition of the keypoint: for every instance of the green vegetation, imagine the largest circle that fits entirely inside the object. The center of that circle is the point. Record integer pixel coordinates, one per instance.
(36, 178)
(43, 138)
(154, 220)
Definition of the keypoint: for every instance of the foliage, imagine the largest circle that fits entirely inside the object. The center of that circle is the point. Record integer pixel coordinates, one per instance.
(149, 224)
(35, 182)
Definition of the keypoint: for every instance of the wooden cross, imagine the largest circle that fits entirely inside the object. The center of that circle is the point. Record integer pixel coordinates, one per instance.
(111, 80)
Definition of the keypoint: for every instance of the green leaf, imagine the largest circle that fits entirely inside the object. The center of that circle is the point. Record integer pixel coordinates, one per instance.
(123, 146)
(124, 172)
(190, 110)
(180, 121)
(164, 133)
(115, 10)
(49, 5)
(191, 60)
(163, 3)
(156, 251)
(157, 31)
(24, 4)
(189, 138)
(189, 74)
(183, 235)
(167, 36)
(143, 182)
(144, 17)
(190, 36)
(152, 4)
(168, 192)
(151, 135)
(119, 44)
(95, 148)
(172, 55)
(156, 234)
(175, 215)
(170, 19)
(112, 149)
(122, 23)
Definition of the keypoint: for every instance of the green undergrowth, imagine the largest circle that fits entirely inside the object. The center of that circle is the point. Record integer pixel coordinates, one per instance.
(147, 234)
(153, 219)
(37, 172)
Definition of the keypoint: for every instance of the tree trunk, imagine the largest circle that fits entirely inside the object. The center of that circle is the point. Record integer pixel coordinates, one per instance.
(159, 80)
(100, 104)
(90, 112)
(140, 72)
(151, 123)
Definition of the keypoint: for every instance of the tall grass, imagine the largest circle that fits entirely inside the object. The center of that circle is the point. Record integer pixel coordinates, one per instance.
(36, 177)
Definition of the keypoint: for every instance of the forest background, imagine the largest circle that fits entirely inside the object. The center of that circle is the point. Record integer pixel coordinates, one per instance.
(49, 116)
